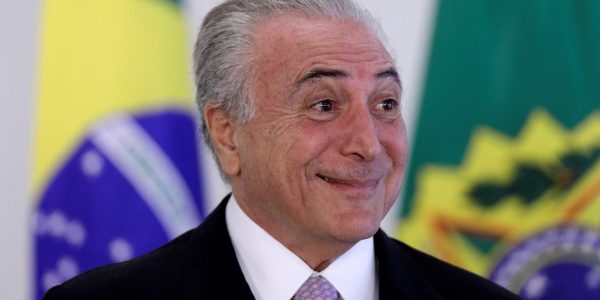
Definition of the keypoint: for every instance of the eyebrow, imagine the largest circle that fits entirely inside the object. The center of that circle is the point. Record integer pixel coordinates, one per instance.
(332, 73)
(319, 73)
(389, 73)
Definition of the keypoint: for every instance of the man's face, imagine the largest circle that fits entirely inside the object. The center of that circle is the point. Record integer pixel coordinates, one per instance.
(324, 157)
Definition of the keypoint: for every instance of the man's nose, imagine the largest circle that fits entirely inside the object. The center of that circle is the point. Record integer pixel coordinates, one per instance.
(361, 138)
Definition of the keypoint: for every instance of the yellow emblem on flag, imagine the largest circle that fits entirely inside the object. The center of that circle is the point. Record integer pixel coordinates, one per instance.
(506, 191)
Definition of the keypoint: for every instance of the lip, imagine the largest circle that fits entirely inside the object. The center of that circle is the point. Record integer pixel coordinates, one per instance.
(352, 184)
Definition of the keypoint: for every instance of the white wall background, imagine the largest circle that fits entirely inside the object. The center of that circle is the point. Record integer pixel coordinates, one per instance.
(407, 23)
(18, 53)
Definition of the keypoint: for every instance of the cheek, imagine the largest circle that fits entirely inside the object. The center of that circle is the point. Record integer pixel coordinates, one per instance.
(396, 147)
(254, 150)
(400, 151)
(394, 140)
(300, 141)
(278, 152)
(317, 144)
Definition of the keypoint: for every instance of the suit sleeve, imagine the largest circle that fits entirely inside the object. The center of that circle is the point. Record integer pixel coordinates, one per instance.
(54, 294)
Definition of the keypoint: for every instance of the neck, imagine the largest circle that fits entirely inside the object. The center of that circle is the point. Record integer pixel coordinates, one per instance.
(317, 255)
(316, 251)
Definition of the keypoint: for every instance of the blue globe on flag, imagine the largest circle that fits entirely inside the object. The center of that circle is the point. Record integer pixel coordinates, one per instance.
(131, 185)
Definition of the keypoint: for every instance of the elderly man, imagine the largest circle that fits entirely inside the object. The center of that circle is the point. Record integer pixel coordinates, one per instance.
(300, 103)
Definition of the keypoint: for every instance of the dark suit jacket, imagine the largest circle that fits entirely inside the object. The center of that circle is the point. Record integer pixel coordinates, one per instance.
(201, 264)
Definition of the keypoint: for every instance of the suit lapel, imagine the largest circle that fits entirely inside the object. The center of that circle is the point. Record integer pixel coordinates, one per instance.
(399, 277)
(214, 272)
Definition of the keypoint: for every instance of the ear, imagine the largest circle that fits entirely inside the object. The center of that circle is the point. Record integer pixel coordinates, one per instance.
(222, 130)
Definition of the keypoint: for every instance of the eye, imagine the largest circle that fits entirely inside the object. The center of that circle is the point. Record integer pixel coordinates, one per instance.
(388, 109)
(324, 110)
(324, 105)
(388, 105)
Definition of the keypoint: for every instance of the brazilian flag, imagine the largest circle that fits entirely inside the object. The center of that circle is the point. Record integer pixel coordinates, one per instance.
(116, 159)
(505, 169)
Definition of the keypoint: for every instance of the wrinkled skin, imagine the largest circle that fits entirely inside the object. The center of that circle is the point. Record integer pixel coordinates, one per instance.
(323, 160)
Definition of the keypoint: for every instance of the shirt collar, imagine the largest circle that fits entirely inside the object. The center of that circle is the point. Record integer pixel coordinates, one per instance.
(274, 272)
(354, 273)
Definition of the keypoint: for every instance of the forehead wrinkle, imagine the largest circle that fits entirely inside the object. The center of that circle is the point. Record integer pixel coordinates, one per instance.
(338, 53)
(341, 47)
(318, 35)
(300, 51)
(319, 73)
(337, 64)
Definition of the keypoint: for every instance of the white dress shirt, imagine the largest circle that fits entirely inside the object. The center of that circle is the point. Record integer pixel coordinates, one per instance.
(274, 273)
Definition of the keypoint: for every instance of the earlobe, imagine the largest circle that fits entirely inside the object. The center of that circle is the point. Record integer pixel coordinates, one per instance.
(222, 132)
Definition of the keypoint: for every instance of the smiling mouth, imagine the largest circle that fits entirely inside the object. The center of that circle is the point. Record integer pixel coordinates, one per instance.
(353, 183)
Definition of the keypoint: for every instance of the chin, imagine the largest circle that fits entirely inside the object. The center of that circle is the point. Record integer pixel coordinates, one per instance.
(358, 229)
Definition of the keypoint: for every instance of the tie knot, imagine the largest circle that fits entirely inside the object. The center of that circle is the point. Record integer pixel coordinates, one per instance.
(316, 288)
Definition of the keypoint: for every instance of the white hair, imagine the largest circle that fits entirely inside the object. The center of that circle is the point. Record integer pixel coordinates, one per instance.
(223, 65)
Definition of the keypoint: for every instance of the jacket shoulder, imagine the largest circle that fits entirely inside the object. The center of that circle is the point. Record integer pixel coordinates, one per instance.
(449, 281)
(133, 279)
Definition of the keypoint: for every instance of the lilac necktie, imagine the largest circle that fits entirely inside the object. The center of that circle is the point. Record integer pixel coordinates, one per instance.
(316, 288)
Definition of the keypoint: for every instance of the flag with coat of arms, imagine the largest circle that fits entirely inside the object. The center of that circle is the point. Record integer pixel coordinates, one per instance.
(505, 168)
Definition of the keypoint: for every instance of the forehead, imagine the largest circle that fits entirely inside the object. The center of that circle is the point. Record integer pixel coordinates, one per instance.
(294, 43)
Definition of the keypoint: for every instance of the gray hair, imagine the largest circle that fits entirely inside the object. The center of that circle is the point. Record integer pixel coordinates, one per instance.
(222, 61)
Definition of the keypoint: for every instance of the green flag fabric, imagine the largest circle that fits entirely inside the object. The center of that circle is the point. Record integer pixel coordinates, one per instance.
(505, 167)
